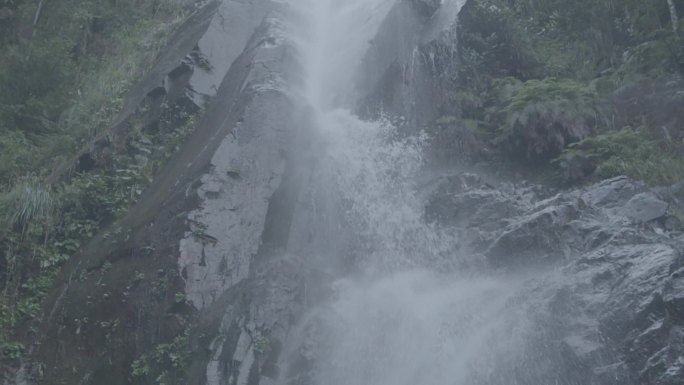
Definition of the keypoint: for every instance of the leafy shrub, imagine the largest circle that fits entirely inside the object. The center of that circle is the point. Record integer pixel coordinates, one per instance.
(604, 27)
(491, 41)
(653, 58)
(62, 80)
(165, 364)
(541, 117)
(66, 80)
(630, 152)
(32, 84)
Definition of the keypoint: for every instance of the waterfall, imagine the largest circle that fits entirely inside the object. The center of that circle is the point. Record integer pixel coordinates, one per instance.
(332, 37)
(411, 327)
(401, 312)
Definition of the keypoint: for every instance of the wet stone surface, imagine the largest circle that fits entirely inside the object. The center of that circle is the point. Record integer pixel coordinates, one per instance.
(612, 299)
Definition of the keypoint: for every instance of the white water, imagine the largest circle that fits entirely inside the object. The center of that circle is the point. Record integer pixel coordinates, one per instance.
(406, 316)
(332, 36)
(409, 328)
(373, 172)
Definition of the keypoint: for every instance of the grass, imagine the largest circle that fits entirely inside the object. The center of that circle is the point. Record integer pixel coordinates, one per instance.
(101, 93)
(28, 201)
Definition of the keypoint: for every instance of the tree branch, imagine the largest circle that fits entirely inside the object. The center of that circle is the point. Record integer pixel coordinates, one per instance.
(38, 11)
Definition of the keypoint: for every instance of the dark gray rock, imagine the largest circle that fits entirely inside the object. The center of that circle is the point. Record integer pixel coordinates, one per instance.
(622, 198)
(246, 170)
(625, 306)
(614, 303)
(645, 207)
(237, 268)
(537, 236)
(412, 62)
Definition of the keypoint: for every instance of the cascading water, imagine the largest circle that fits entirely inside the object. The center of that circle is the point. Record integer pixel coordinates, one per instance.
(332, 37)
(401, 312)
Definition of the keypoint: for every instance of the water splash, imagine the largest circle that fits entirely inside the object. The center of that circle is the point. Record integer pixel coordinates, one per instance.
(415, 327)
(374, 172)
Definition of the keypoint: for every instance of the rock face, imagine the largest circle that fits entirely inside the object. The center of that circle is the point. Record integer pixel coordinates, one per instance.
(187, 74)
(413, 61)
(182, 265)
(609, 301)
(245, 170)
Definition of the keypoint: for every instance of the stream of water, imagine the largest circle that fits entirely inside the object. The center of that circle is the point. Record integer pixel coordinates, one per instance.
(403, 314)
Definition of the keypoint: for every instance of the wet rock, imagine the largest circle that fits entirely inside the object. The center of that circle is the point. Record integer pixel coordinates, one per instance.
(233, 211)
(645, 207)
(625, 303)
(452, 199)
(615, 303)
(246, 170)
(612, 192)
(248, 343)
(155, 285)
(622, 198)
(410, 66)
(535, 237)
(245, 277)
(469, 200)
(188, 72)
(673, 295)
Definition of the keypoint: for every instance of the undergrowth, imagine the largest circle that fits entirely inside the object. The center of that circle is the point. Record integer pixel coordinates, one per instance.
(540, 84)
(164, 365)
(540, 117)
(60, 86)
(631, 152)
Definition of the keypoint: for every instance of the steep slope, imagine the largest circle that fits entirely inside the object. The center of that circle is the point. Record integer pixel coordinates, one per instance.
(124, 291)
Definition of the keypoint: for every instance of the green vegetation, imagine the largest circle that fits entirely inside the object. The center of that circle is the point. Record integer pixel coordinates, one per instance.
(165, 365)
(64, 79)
(64, 72)
(262, 345)
(541, 116)
(629, 152)
(542, 79)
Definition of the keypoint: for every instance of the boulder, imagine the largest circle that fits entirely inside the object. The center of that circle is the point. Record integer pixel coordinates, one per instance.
(536, 237)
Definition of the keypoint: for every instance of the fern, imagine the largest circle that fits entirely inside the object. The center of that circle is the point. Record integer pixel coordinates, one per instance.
(630, 152)
(541, 117)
